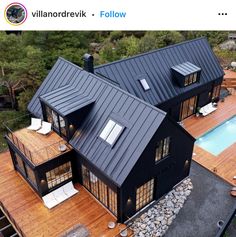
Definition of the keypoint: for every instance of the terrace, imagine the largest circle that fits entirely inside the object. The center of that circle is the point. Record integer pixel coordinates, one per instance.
(28, 213)
(37, 148)
(223, 165)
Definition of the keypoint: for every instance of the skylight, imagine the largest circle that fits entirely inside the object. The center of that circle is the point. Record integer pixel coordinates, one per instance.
(111, 132)
(144, 84)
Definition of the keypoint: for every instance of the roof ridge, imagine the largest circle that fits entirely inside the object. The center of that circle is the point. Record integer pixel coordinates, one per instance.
(116, 87)
(150, 52)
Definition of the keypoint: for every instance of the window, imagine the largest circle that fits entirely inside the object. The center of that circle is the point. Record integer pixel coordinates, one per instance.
(190, 79)
(59, 175)
(100, 190)
(163, 149)
(188, 107)
(144, 194)
(111, 132)
(30, 175)
(144, 84)
(20, 164)
(112, 201)
(216, 92)
(49, 114)
(56, 120)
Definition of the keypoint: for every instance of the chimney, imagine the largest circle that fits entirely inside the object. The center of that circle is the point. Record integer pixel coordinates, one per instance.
(88, 63)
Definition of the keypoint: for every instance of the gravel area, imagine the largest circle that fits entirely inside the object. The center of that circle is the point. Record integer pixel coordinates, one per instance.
(156, 220)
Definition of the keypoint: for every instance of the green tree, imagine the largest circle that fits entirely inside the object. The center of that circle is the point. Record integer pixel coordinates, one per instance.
(21, 67)
(11, 53)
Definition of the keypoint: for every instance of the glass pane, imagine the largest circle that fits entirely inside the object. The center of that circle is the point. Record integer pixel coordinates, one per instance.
(106, 131)
(194, 77)
(144, 194)
(112, 201)
(62, 125)
(144, 84)
(59, 174)
(49, 114)
(31, 175)
(20, 164)
(85, 175)
(116, 131)
(55, 120)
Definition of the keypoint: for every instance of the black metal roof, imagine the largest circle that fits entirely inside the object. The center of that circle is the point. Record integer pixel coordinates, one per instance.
(140, 119)
(60, 75)
(186, 68)
(155, 67)
(67, 99)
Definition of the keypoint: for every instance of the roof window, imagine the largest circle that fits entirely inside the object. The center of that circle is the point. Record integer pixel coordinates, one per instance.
(111, 132)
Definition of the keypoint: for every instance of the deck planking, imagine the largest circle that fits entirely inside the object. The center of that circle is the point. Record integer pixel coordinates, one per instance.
(35, 220)
(223, 165)
(41, 147)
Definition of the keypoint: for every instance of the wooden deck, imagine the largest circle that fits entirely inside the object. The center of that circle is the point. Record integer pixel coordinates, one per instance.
(35, 220)
(224, 165)
(37, 147)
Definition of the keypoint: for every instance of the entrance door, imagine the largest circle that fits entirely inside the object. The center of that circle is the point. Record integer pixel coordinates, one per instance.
(188, 107)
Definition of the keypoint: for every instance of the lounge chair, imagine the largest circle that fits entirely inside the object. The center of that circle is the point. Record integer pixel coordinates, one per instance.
(35, 124)
(207, 109)
(45, 129)
(69, 189)
(59, 195)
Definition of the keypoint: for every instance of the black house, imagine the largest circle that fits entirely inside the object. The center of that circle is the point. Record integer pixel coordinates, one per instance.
(126, 152)
(177, 79)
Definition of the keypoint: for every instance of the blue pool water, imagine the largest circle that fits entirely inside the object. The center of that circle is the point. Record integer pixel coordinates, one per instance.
(219, 138)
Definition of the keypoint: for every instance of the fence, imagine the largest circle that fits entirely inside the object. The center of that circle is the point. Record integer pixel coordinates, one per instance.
(37, 156)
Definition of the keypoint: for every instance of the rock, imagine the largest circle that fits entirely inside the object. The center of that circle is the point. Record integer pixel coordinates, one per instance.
(160, 218)
(187, 193)
(163, 222)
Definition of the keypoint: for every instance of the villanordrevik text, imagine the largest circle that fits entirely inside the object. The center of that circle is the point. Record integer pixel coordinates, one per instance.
(112, 14)
(40, 13)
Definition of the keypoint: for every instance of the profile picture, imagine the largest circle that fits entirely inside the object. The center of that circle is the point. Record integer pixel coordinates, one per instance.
(15, 13)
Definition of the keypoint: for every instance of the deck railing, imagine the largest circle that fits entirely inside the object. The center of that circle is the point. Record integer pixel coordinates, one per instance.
(11, 219)
(46, 153)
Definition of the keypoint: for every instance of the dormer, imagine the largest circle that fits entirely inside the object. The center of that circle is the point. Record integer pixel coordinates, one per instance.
(186, 74)
(66, 108)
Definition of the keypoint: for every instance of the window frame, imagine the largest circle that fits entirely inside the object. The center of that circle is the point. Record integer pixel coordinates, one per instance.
(191, 79)
(161, 150)
(144, 198)
(55, 181)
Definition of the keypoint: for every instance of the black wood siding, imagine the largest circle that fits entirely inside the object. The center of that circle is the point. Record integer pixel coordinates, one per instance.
(167, 172)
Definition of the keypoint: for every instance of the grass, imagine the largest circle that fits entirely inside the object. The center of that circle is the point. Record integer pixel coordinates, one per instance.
(6, 116)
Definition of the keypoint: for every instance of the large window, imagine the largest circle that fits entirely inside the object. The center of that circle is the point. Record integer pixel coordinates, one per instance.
(188, 107)
(56, 120)
(190, 79)
(111, 132)
(144, 194)
(100, 190)
(27, 172)
(59, 175)
(162, 149)
(216, 91)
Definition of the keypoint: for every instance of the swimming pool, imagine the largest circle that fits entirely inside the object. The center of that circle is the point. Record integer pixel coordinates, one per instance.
(219, 138)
